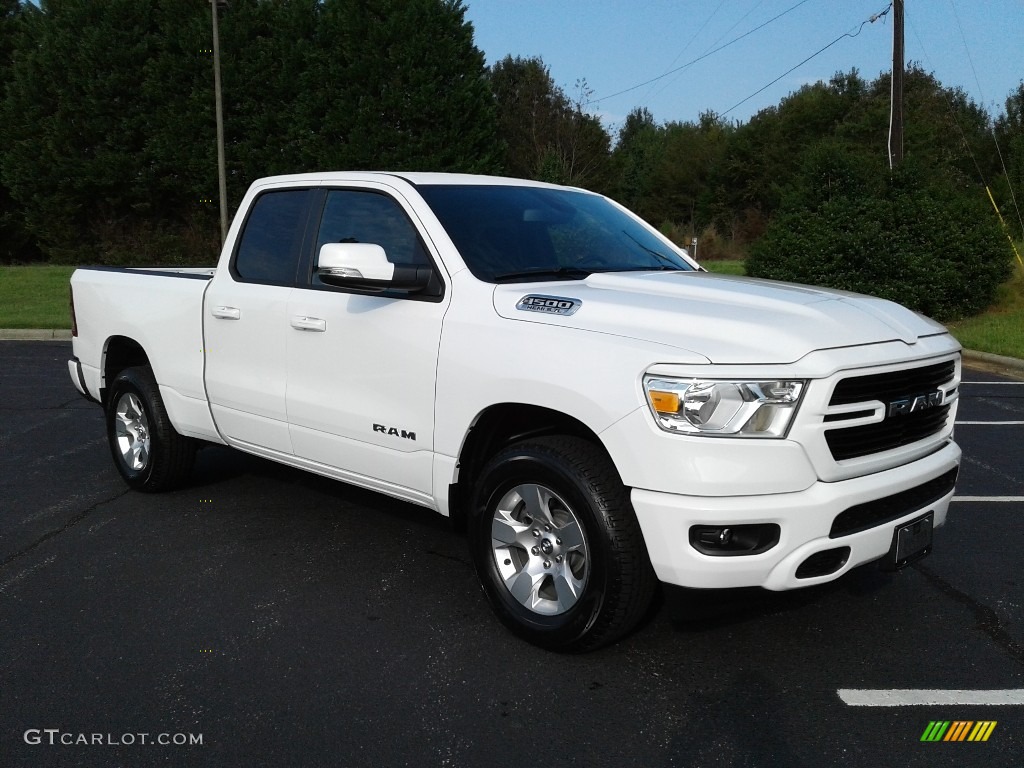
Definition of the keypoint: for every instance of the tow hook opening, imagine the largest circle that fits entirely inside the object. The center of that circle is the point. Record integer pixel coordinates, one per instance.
(734, 540)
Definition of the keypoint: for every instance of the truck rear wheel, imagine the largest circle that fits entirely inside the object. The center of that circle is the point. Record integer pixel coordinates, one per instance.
(147, 451)
(557, 545)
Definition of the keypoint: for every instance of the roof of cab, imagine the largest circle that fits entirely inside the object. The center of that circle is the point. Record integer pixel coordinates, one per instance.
(413, 177)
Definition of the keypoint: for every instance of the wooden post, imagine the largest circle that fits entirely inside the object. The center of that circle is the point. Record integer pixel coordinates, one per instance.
(221, 173)
(896, 118)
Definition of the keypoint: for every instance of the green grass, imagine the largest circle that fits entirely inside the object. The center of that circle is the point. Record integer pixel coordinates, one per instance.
(1001, 329)
(34, 297)
(726, 267)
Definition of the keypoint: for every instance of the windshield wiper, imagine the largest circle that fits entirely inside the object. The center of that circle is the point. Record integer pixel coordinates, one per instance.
(558, 273)
(655, 268)
(656, 254)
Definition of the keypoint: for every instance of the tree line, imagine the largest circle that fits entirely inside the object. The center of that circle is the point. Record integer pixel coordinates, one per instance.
(107, 150)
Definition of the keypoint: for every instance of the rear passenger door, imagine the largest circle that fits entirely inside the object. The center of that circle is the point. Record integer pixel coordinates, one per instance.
(246, 328)
(362, 364)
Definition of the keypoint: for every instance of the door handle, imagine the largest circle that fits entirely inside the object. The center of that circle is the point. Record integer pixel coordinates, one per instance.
(303, 323)
(226, 313)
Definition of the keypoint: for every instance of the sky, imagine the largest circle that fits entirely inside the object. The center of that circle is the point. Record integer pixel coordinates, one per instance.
(615, 45)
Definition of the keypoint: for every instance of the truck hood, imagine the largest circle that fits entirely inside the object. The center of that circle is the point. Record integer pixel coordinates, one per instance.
(729, 320)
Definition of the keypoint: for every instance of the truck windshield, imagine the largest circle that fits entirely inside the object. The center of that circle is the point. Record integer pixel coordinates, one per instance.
(520, 234)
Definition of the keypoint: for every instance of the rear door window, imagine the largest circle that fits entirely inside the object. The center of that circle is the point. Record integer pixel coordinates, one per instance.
(268, 250)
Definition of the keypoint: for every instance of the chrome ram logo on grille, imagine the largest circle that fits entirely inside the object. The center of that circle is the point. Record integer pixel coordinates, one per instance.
(908, 404)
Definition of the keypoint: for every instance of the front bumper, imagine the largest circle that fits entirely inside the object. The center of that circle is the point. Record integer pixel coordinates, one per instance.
(805, 517)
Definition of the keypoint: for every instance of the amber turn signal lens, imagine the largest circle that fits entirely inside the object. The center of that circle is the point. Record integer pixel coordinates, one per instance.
(664, 402)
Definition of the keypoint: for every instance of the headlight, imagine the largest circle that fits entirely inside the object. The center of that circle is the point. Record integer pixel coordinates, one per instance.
(714, 407)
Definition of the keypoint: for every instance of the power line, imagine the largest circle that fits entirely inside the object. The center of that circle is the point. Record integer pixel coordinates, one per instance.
(872, 20)
(963, 37)
(995, 139)
(699, 58)
(1009, 183)
(697, 33)
(716, 42)
(949, 106)
(963, 135)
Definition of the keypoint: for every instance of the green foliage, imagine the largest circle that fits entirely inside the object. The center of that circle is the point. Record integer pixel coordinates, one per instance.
(107, 150)
(636, 156)
(1009, 189)
(546, 136)
(15, 240)
(757, 167)
(665, 173)
(107, 146)
(927, 243)
(108, 121)
(423, 101)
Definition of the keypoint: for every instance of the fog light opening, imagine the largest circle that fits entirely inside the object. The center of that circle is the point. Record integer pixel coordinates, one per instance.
(734, 540)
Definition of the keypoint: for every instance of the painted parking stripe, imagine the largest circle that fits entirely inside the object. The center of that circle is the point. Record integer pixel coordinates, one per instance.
(1004, 499)
(857, 697)
(993, 423)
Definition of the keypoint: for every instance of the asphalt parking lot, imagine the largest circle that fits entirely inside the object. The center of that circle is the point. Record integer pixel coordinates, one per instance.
(280, 619)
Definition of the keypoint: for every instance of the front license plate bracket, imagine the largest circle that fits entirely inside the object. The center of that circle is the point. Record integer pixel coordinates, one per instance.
(910, 542)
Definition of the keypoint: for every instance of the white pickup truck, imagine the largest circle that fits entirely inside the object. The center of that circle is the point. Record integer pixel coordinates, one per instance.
(540, 362)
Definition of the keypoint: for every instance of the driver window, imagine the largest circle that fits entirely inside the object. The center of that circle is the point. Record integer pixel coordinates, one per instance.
(352, 216)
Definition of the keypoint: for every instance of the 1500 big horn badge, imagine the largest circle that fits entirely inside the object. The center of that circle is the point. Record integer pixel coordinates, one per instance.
(553, 305)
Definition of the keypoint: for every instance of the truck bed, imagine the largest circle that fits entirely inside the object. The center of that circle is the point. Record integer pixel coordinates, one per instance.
(161, 309)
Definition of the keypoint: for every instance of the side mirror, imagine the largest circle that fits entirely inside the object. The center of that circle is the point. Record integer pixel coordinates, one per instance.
(365, 265)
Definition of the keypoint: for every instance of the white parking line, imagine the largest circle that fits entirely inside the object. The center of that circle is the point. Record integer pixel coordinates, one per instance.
(855, 697)
(1018, 383)
(992, 423)
(1010, 499)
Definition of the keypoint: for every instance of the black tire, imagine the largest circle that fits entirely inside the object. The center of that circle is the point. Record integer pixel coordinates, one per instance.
(150, 455)
(593, 594)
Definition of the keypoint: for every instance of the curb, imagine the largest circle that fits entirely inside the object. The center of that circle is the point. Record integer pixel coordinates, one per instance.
(64, 334)
(35, 334)
(998, 361)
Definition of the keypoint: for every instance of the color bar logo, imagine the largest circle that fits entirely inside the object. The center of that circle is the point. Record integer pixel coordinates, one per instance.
(958, 730)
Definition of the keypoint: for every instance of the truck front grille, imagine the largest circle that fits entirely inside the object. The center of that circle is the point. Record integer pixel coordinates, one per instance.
(896, 429)
(892, 384)
(886, 435)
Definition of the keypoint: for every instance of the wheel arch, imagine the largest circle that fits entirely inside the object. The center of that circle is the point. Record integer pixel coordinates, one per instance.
(500, 425)
(119, 352)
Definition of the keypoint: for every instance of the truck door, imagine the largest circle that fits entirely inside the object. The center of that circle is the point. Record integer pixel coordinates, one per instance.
(245, 318)
(362, 365)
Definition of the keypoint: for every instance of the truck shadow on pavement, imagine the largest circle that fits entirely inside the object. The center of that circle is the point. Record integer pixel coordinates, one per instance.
(696, 610)
(291, 496)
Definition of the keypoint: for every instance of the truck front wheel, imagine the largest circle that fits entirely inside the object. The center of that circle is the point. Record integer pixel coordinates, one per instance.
(147, 451)
(557, 545)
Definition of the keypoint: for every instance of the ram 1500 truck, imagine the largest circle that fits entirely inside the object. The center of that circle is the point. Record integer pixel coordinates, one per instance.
(541, 363)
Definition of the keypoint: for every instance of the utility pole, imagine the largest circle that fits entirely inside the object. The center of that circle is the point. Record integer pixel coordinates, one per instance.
(221, 173)
(896, 117)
